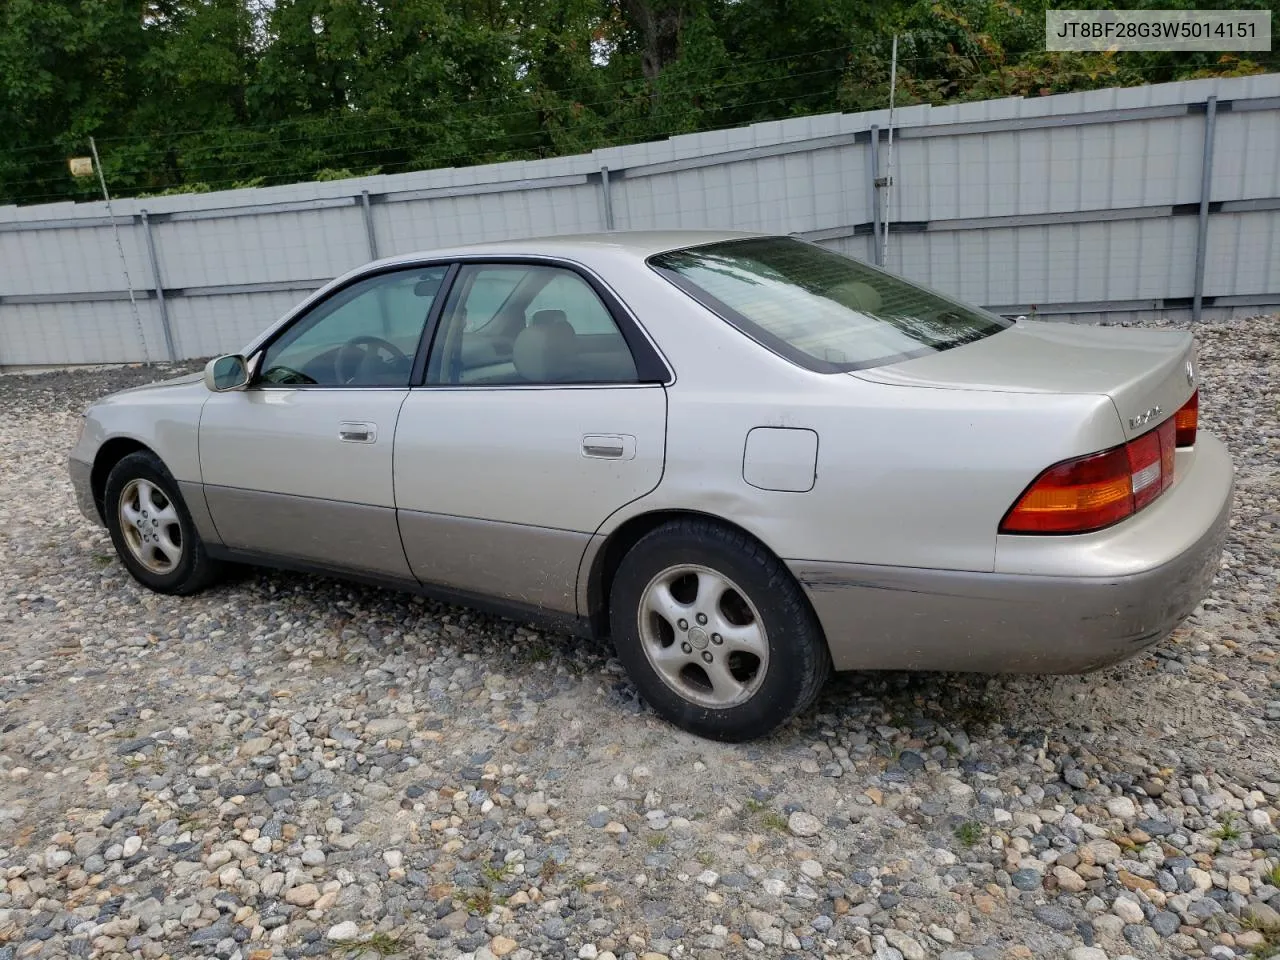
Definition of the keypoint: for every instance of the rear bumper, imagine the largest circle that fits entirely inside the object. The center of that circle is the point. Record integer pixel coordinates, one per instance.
(1125, 592)
(80, 483)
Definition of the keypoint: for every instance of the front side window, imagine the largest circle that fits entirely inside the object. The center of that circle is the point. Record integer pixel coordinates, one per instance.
(365, 335)
(512, 324)
(818, 308)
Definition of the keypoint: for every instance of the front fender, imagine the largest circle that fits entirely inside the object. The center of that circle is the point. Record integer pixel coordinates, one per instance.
(165, 420)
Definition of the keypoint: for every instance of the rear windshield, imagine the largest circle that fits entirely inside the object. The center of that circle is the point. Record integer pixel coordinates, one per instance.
(820, 309)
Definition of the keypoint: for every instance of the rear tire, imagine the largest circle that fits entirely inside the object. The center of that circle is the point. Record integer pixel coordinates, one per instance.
(715, 632)
(152, 529)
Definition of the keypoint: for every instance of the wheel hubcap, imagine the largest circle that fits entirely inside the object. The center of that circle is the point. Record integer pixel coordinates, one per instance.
(703, 636)
(150, 526)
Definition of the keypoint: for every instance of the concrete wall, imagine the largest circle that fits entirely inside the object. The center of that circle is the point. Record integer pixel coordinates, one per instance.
(1083, 206)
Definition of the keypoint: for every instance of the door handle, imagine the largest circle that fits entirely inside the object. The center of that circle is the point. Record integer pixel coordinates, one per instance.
(609, 446)
(353, 432)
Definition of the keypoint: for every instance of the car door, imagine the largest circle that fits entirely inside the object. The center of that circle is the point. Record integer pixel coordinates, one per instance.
(298, 465)
(542, 412)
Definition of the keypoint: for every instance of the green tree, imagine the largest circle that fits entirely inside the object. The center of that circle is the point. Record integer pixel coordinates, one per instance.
(207, 94)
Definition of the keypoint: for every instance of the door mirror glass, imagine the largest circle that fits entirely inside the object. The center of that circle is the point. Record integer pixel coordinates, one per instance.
(226, 373)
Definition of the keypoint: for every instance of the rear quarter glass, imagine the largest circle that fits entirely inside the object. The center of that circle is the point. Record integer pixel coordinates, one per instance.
(821, 309)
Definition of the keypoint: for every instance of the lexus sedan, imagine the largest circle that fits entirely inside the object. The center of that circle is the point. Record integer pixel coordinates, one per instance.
(747, 460)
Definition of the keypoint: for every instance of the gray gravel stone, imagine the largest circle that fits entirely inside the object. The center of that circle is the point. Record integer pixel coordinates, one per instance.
(555, 929)
(1027, 879)
(1165, 923)
(1055, 917)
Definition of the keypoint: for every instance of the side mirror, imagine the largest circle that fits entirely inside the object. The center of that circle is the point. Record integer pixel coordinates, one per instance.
(223, 374)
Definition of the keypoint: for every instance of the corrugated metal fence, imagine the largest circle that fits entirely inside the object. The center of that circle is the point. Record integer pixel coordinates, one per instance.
(1112, 204)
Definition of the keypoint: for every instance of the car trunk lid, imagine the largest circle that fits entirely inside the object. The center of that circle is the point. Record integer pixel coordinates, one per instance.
(1148, 374)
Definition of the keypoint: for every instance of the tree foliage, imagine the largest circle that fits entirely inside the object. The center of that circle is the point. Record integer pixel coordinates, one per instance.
(192, 95)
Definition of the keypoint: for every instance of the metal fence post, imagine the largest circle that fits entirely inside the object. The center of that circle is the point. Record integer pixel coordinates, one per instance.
(1202, 231)
(607, 197)
(368, 224)
(158, 286)
(873, 182)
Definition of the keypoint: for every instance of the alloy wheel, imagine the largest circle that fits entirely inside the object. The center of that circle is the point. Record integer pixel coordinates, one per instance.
(703, 636)
(150, 526)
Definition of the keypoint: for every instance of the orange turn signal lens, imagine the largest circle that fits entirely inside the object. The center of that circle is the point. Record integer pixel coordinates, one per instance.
(1088, 493)
(1098, 490)
(1188, 420)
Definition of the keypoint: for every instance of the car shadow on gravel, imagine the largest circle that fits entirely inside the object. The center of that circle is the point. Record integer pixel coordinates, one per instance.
(1029, 707)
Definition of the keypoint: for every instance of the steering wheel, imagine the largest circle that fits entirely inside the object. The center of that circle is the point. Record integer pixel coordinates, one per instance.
(352, 355)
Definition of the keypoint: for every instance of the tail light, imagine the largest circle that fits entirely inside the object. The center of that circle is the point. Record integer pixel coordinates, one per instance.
(1188, 419)
(1096, 491)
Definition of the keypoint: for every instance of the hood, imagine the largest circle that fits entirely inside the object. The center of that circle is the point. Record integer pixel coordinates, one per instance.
(161, 384)
(150, 392)
(1147, 373)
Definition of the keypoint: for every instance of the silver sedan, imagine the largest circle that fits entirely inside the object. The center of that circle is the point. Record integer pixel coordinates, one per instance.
(747, 460)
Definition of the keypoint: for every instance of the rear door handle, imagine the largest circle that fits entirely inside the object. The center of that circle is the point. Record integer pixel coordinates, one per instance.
(609, 446)
(358, 432)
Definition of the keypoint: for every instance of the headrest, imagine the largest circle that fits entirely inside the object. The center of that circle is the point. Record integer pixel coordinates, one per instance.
(544, 318)
(856, 295)
(543, 352)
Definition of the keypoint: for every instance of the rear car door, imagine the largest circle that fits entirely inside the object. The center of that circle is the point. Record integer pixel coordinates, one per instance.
(298, 465)
(543, 411)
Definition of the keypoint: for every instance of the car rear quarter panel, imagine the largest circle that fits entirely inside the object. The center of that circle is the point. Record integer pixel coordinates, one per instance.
(906, 475)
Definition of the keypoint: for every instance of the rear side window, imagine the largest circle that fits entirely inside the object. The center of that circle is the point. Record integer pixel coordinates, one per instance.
(489, 291)
(516, 324)
(818, 308)
(582, 308)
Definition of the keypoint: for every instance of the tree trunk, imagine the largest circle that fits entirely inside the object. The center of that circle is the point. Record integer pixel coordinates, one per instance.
(658, 22)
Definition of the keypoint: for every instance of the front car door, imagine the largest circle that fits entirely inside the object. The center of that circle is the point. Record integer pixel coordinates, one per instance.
(542, 413)
(298, 466)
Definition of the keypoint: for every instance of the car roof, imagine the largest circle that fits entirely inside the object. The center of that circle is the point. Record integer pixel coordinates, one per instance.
(634, 243)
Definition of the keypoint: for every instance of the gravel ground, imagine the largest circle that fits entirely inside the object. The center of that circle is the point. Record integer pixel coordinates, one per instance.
(291, 766)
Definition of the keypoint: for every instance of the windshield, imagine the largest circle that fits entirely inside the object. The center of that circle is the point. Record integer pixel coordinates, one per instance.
(818, 308)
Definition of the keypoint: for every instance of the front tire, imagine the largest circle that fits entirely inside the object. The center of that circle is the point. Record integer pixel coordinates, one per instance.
(715, 632)
(152, 529)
